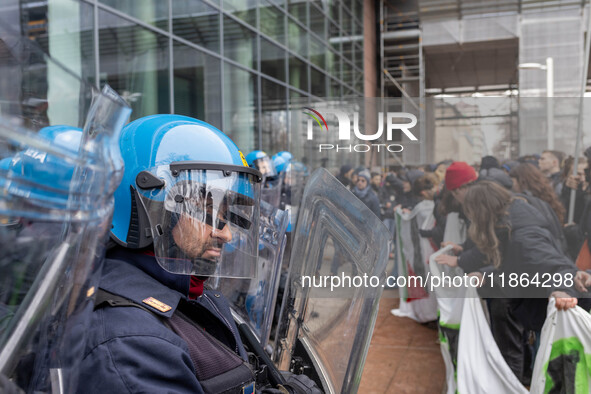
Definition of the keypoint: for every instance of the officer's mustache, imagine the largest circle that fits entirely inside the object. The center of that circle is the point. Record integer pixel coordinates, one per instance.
(214, 244)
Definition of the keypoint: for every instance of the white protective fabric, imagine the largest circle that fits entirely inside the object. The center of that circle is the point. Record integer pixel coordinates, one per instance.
(481, 367)
(456, 230)
(450, 304)
(449, 299)
(563, 361)
(416, 302)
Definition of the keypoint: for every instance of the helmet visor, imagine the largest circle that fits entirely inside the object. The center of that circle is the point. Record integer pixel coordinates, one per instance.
(266, 166)
(204, 222)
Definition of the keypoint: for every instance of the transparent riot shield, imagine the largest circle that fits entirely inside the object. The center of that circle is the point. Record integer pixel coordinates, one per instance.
(294, 182)
(59, 166)
(271, 190)
(253, 300)
(330, 324)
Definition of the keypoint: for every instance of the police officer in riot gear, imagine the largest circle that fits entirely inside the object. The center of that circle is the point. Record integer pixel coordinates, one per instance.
(186, 210)
(272, 180)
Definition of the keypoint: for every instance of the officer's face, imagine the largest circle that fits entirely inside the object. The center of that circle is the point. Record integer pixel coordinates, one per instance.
(264, 167)
(201, 240)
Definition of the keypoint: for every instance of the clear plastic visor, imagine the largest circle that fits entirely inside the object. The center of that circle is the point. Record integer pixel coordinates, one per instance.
(205, 222)
(266, 167)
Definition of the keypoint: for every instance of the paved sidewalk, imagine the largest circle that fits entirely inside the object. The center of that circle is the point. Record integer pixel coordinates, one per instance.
(404, 356)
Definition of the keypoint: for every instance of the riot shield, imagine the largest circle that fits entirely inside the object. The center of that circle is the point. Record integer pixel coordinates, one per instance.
(271, 190)
(336, 236)
(294, 181)
(253, 300)
(59, 166)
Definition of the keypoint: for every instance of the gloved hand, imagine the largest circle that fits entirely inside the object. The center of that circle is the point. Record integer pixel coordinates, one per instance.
(294, 384)
(300, 384)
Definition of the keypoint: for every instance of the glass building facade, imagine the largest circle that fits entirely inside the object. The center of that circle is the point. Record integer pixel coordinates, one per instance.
(233, 63)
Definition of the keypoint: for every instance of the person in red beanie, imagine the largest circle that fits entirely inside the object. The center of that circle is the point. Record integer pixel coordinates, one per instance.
(458, 176)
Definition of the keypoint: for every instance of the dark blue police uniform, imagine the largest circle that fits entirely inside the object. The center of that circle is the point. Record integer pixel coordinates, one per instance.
(133, 350)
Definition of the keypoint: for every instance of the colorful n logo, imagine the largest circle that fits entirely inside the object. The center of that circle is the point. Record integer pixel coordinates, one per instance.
(315, 118)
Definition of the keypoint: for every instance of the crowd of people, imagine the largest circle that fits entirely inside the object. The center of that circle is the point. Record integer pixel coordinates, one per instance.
(516, 213)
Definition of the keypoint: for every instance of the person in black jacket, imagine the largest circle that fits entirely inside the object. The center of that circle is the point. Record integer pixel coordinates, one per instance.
(406, 197)
(549, 163)
(363, 191)
(515, 238)
(510, 236)
(345, 174)
(535, 188)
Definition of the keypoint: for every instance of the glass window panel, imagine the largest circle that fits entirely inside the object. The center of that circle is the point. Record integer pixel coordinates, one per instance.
(298, 10)
(358, 26)
(70, 24)
(334, 34)
(317, 52)
(359, 82)
(272, 60)
(239, 43)
(197, 22)
(243, 9)
(274, 116)
(197, 85)
(347, 23)
(332, 64)
(348, 50)
(154, 12)
(334, 88)
(318, 83)
(359, 56)
(87, 42)
(134, 61)
(336, 67)
(334, 10)
(298, 73)
(347, 73)
(348, 93)
(279, 3)
(296, 123)
(297, 39)
(359, 11)
(272, 22)
(317, 6)
(348, 5)
(318, 22)
(240, 107)
(295, 98)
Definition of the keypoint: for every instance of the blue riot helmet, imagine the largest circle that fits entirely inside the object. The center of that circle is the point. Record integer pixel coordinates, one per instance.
(188, 191)
(280, 163)
(301, 168)
(43, 178)
(262, 162)
(287, 156)
(63, 135)
(254, 155)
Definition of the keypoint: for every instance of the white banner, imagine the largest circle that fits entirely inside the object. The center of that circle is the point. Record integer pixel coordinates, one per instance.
(413, 253)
